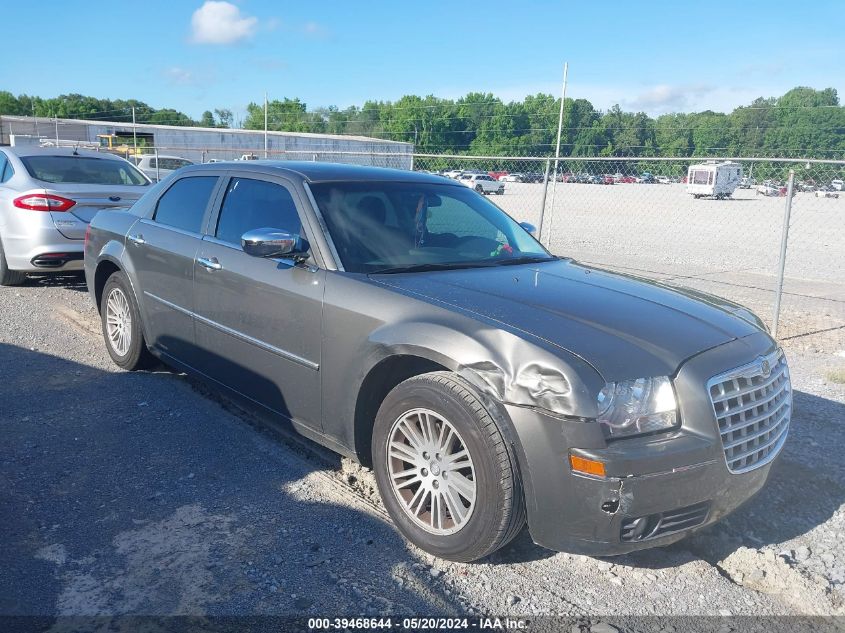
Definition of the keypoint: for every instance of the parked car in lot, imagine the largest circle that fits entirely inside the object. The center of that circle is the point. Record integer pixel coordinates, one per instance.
(407, 322)
(482, 183)
(513, 177)
(532, 176)
(837, 185)
(768, 189)
(453, 173)
(159, 167)
(827, 192)
(48, 196)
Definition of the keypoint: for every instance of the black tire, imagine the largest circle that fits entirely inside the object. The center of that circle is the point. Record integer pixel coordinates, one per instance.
(136, 356)
(9, 277)
(479, 189)
(499, 510)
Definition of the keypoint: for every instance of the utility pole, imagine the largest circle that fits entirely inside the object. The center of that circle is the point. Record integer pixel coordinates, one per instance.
(557, 158)
(265, 125)
(57, 130)
(134, 133)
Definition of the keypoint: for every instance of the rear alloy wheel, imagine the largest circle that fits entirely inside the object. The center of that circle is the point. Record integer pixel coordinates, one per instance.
(122, 325)
(445, 473)
(479, 189)
(9, 277)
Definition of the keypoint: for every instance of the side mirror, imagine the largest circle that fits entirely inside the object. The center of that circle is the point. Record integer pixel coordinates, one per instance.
(529, 227)
(268, 242)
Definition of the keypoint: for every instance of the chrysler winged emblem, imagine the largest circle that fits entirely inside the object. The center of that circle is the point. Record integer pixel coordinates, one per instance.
(765, 368)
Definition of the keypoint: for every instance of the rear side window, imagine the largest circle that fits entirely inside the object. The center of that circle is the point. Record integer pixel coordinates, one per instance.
(83, 170)
(256, 204)
(6, 171)
(183, 205)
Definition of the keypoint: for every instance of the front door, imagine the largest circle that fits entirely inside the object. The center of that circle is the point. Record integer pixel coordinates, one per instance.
(258, 321)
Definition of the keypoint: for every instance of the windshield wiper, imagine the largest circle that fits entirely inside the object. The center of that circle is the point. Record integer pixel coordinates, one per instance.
(525, 259)
(418, 268)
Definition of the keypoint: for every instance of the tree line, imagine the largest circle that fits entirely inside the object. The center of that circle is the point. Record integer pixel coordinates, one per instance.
(804, 122)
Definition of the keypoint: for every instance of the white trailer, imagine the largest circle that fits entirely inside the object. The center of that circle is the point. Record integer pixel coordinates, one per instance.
(713, 180)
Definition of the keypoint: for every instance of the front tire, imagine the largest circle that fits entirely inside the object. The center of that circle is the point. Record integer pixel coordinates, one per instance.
(445, 473)
(121, 322)
(9, 277)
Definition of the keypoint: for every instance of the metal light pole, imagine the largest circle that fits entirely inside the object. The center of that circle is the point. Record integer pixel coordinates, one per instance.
(265, 125)
(134, 133)
(557, 158)
(783, 242)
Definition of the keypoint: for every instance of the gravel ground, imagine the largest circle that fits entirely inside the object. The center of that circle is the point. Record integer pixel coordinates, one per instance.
(145, 493)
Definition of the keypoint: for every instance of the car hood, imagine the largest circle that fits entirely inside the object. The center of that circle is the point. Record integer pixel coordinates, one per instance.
(625, 327)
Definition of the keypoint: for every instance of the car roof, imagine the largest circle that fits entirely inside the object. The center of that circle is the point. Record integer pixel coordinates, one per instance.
(24, 150)
(322, 172)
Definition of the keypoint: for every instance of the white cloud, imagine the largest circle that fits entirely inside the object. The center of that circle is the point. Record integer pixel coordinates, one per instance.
(312, 29)
(218, 22)
(178, 75)
(664, 98)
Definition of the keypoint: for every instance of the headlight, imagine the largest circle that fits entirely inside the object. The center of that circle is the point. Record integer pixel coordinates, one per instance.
(637, 406)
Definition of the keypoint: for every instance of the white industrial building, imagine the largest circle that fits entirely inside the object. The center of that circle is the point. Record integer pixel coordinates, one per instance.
(204, 144)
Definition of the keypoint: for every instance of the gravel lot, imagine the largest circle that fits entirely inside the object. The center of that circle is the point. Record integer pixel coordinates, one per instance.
(144, 493)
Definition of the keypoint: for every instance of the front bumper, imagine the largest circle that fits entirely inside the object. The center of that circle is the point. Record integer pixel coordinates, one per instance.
(679, 473)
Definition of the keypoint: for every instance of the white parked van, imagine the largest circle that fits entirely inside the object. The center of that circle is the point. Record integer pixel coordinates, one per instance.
(158, 167)
(837, 184)
(713, 180)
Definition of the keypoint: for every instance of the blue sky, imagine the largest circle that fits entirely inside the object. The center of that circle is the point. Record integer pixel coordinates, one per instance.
(194, 55)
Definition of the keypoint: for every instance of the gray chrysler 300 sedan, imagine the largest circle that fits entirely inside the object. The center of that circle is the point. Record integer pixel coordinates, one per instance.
(406, 321)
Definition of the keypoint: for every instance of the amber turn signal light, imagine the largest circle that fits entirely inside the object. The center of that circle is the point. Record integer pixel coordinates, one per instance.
(586, 466)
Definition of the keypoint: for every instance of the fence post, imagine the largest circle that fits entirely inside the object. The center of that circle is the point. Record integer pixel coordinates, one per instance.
(543, 202)
(158, 174)
(783, 243)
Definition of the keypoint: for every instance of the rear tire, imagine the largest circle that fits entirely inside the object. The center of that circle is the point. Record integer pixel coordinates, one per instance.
(447, 477)
(121, 323)
(9, 277)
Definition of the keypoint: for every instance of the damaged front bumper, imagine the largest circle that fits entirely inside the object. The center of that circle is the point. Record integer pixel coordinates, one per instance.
(657, 488)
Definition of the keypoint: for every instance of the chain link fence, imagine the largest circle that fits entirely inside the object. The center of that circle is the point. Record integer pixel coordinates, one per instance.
(642, 216)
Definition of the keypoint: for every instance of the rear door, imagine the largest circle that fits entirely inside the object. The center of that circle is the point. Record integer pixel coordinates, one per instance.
(258, 320)
(162, 249)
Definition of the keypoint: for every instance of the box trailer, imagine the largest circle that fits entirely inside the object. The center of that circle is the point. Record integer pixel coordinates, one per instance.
(713, 180)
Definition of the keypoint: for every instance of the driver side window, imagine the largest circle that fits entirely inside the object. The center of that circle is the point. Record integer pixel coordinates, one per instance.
(256, 204)
(456, 217)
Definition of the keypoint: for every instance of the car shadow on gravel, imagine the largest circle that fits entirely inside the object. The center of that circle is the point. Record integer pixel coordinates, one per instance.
(130, 493)
(70, 280)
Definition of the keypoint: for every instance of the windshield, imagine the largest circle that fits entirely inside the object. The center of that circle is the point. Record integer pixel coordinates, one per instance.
(83, 170)
(397, 226)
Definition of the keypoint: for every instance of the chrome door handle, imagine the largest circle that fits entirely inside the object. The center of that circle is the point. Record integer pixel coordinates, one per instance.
(137, 240)
(210, 263)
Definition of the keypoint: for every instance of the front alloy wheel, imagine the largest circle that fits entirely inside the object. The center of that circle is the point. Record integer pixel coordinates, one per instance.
(446, 474)
(431, 471)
